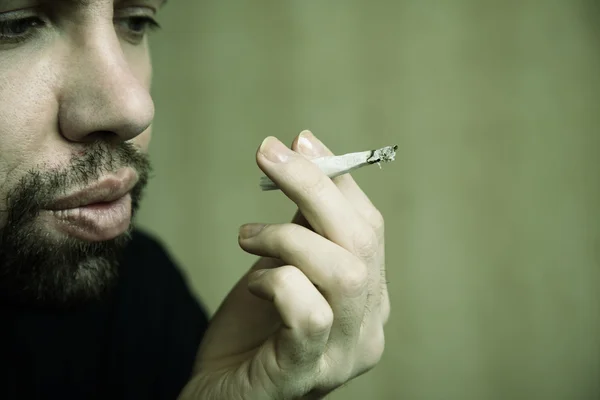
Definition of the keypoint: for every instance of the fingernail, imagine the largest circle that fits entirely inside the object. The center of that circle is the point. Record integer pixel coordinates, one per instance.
(305, 144)
(250, 230)
(274, 150)
(310, 146)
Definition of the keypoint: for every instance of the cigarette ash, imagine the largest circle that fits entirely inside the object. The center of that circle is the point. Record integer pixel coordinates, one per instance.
(385, 154)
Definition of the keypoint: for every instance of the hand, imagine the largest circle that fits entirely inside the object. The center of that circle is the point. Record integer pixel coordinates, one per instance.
(309, 315)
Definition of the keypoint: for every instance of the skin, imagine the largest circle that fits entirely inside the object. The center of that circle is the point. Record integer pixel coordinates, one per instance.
(74, 94)
(309, 315)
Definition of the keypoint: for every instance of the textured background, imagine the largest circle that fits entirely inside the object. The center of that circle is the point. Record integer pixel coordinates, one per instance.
(493, 235)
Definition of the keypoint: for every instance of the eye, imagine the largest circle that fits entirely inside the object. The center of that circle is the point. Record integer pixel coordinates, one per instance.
(135, 28)
(142, 24)
(19, 29)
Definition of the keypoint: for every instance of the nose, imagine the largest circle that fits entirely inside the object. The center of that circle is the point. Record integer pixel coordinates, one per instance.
(104, 92)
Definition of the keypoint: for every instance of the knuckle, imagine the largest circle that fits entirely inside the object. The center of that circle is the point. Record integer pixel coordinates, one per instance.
(366, 244)
(282, 235)
(374, 348)
(320, 321)
(291, 242)
(288, 231)
(353, 281)
(370, 350)
(313, 184)
(377, 220)
(285, 275)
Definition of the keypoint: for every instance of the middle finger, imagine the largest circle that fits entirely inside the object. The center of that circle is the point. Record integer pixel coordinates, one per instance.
(321, 202)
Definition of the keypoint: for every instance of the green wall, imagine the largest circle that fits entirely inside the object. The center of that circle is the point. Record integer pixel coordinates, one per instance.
(492, 218)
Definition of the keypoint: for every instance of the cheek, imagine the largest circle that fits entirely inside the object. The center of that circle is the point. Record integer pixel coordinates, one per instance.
(28, 110)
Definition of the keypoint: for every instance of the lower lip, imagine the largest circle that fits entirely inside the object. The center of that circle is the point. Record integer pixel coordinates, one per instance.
(94, 222)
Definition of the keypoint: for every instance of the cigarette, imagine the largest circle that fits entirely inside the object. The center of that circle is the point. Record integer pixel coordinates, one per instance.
(333, 166)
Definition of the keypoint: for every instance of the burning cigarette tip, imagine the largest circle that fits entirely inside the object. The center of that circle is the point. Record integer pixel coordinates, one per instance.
(385, 154)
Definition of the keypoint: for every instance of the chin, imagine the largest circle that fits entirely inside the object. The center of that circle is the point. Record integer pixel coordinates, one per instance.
(59, 271)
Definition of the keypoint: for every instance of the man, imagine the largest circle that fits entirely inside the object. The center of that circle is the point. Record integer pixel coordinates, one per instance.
(94, 309)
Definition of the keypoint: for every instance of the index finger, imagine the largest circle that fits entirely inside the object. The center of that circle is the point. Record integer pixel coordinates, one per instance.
(311, 147)
(324, 206)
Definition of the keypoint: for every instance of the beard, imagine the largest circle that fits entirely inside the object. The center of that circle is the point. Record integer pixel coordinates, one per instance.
(39, 268)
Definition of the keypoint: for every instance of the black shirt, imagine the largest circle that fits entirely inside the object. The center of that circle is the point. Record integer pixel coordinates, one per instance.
(140, 343)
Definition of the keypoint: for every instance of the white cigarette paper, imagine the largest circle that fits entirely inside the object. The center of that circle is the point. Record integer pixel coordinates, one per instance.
(333, 166)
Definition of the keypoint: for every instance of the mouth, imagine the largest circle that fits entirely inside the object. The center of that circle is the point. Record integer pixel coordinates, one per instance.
(98, 212)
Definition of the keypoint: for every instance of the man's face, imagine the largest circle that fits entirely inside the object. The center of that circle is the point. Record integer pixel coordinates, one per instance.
(75, 116)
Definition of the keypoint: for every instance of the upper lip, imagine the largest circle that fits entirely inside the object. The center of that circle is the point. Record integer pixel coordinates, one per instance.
(107, 189)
